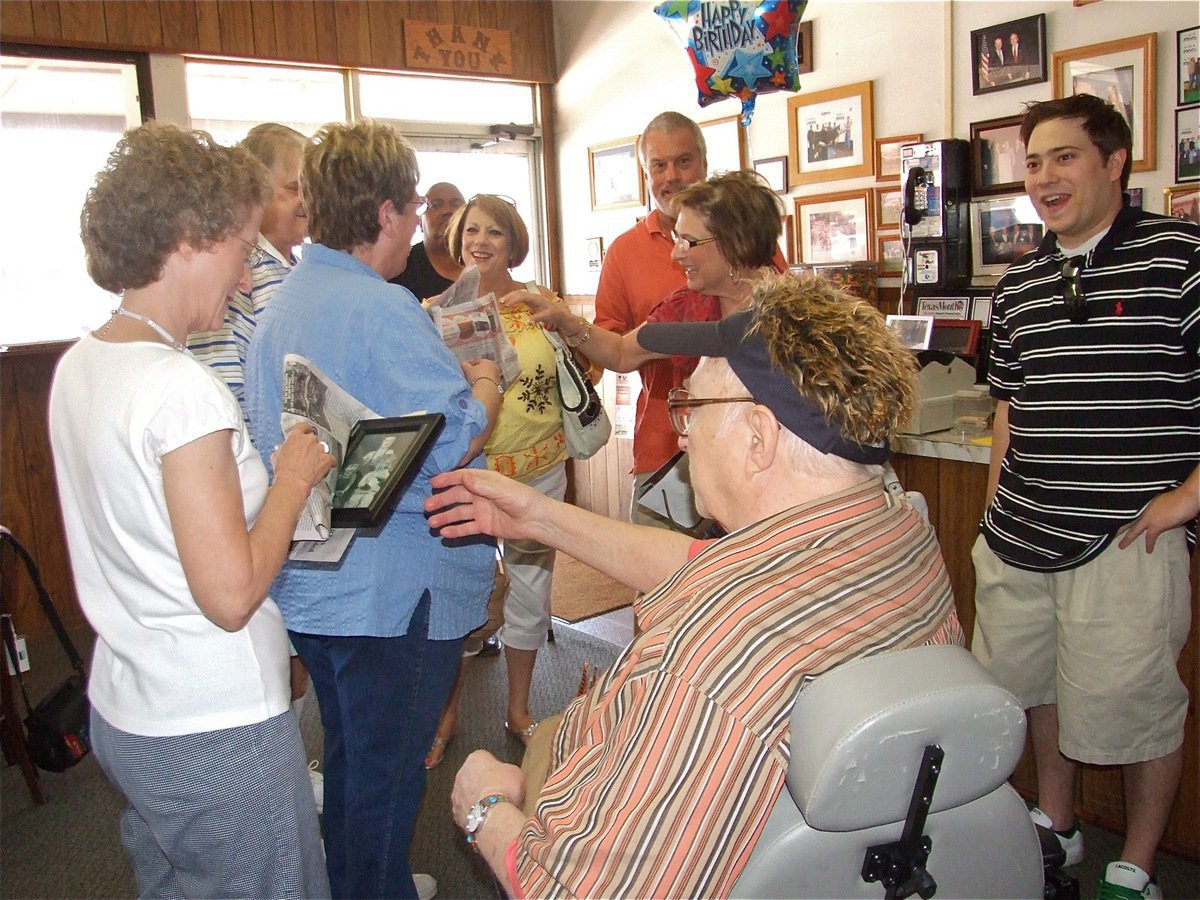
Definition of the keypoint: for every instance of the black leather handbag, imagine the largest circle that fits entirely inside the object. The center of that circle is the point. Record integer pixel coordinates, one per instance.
(57, 728)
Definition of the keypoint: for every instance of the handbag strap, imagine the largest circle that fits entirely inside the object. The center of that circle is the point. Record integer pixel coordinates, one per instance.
(44, 599)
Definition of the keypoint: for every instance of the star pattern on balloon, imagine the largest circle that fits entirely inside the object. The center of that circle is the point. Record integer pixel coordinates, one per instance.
(738, 48)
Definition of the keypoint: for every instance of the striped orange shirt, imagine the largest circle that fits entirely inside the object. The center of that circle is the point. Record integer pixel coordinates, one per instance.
(664, 773)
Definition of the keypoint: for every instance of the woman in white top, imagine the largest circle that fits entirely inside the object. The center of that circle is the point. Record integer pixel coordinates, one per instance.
(175, 536)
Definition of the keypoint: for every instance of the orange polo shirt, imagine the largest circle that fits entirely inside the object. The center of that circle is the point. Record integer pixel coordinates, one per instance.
(638, 272)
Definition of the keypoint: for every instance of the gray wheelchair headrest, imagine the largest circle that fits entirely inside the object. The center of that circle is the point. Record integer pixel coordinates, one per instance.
(859, 731)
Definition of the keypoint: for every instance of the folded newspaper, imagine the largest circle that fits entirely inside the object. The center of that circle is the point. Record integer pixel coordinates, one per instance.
(312, 398)
(471, 327)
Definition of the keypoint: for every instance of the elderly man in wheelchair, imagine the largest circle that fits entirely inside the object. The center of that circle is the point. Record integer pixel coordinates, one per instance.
(796, 715)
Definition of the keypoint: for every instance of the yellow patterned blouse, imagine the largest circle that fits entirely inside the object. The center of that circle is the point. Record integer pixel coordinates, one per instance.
(528, 438)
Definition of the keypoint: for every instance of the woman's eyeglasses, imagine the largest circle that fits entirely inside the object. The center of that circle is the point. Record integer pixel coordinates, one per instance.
(1073, 296)
(509, 200)
(689, 243)
(680, 405)
(256, 255)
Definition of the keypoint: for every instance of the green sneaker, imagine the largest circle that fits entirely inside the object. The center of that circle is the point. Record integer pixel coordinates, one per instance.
(1125, 881)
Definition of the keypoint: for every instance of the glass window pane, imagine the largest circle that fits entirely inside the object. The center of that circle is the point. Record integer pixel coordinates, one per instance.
(480, 172)
(228, 100)
(60, 119)
(458, 100)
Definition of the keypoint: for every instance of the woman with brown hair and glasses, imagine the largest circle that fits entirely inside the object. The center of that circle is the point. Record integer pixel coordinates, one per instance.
(726, 239)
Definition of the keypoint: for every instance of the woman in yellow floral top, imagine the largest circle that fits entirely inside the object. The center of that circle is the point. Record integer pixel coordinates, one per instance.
(527, 445)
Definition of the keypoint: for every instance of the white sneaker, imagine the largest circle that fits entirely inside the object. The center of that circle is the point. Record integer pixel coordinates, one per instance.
(318, 786)
(1125, 881)
(426, 886)
(1071, 841)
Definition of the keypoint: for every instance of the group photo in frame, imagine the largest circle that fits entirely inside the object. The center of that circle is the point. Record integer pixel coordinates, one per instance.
(1187, 73)
(616, 174)
(1002, 231)
(997, 156)
(725, 143)
(1182, 202)
(381, 457)
(1124, 73)
(887, 155)
(831, 134)
(1008, 55)
(835, 228)
(1187, 144)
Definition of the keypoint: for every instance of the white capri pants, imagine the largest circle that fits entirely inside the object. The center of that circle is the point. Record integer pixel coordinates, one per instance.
(530, 569)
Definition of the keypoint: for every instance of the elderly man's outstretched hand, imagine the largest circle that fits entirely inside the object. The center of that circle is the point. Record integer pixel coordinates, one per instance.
(478, 501)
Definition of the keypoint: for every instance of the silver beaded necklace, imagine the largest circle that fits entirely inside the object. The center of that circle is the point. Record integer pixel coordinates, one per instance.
(162, 332)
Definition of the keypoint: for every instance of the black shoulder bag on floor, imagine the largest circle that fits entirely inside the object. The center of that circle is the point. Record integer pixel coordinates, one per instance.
(57, 728)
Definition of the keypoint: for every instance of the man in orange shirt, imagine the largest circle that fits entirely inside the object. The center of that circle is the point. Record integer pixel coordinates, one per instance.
(638, 272)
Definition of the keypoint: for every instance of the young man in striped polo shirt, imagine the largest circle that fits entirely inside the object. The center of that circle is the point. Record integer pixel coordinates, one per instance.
(1082, 566)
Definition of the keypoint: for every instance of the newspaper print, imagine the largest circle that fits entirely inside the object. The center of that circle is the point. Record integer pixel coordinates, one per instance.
(471, 326)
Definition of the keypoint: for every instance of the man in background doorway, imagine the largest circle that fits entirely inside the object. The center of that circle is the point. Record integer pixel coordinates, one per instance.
(638, 272)
(431, 269)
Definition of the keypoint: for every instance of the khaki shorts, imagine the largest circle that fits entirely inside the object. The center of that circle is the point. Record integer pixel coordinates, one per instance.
(1101, 641)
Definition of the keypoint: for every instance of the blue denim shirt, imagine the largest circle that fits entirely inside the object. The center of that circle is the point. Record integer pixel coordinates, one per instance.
(378, 344)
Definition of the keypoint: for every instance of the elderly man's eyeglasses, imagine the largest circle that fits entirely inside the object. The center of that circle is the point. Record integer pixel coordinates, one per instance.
(1073, 296)
(256, 255)
(690, 243)
(420, 203)
(680, 405)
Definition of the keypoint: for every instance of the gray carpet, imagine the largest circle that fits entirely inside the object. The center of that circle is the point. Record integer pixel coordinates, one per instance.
(70, 847)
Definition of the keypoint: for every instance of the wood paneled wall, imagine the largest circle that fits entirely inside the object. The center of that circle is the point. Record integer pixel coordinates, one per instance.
(28, 493)
(363, 33)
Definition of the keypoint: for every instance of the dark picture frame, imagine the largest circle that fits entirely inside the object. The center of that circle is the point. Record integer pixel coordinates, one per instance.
(381, 457)
(1002, 230)
(805, 50)
(1187, 145)
(1187, 66)
(1003, 65)
(997, 157)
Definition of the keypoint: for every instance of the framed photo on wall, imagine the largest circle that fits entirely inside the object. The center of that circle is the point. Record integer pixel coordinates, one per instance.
(616, 174)
(887, 155)
(787, 238)
(725, 141)
(1011, 54)
(1123, 72)
(1002, 231)
(835, 228)
(997, 157)
(804, 48)
(1187, 66)
(889, 253)
(1187, 144)
(889, 207)
(773, 169)
(831, 134)
(1182, 202)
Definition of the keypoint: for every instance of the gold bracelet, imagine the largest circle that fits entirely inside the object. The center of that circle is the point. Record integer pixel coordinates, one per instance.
(499, 389)
(574, 340)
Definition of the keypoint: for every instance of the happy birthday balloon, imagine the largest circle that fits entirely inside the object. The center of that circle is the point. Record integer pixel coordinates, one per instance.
(738, 49)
